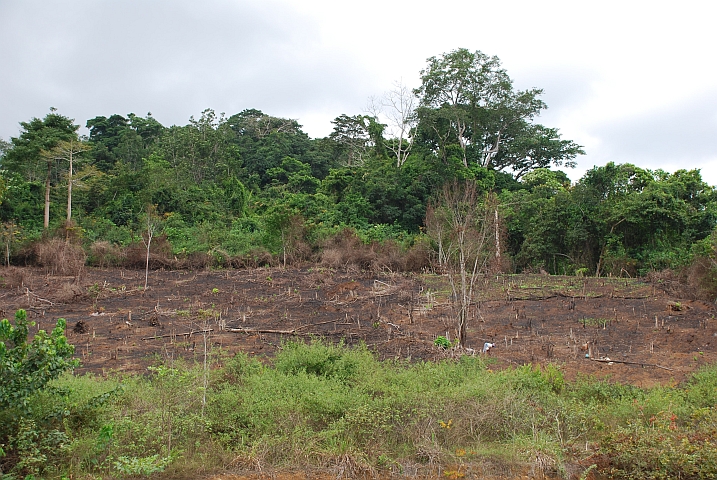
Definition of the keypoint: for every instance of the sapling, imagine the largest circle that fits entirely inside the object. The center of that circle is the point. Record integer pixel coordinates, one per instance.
(152, 227)
(462, 227)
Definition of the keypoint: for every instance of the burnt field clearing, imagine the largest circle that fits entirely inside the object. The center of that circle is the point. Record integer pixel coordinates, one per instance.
(627, 330)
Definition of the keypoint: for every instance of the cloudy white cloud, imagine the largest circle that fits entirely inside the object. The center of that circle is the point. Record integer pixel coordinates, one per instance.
(171, 58)
(669, 137)
(632, 81)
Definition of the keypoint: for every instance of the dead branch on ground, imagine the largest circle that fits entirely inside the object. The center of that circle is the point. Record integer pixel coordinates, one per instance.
(607, 360)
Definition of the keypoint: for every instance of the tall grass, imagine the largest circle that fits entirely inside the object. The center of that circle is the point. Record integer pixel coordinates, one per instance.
(327, 406)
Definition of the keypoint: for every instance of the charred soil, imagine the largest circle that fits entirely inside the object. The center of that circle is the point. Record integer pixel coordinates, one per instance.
(623, 329)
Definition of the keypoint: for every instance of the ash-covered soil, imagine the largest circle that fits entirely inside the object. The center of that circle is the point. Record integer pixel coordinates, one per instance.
(648, 335)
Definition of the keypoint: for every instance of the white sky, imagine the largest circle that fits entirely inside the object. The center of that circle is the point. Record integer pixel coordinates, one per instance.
(632, 81)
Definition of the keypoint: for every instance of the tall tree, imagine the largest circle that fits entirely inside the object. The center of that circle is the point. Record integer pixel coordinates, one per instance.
(30, 155)
(468, 100)
(263, 142)
(4, 148)
(527, 147)
(352, 139)
(201, 151)
(129, 140)
(37, 135)
(64, 151)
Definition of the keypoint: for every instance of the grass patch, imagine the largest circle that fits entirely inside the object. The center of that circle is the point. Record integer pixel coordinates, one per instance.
(327, 406)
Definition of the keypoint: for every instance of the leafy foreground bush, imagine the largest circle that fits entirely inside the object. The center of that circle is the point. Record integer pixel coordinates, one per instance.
(338, 408)
(28, 437)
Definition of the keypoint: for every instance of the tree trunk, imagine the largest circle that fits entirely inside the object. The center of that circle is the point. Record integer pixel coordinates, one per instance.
(69, 202)
(47, 196)
(69, 192)
(497, 237)
(146, 266)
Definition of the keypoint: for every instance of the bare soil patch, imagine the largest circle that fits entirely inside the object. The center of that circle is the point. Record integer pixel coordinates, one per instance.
(624, 329)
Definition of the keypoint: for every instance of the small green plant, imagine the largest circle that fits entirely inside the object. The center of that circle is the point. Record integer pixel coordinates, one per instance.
(205, 313)
(215, 290)
(587, 471)
(442, 342)
(594, 322)
(94, 289)
(144, 466)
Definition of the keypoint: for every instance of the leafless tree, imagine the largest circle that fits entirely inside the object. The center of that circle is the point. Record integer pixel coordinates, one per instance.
(152, 224)
(462, 224)
(397, 108)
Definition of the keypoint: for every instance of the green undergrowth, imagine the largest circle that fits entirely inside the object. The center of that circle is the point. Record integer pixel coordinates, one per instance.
(326, 406)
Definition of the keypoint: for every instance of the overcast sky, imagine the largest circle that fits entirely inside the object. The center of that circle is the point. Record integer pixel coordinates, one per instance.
(631, 81)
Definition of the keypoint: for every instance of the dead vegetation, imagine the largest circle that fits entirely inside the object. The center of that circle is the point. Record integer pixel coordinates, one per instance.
(697, 281)
(346, 250)
(59, 257)
(12, 277)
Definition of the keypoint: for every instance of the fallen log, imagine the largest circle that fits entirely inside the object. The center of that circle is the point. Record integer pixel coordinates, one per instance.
(186, 334)
(36, 297)
(260, 330)
(315, 324)
(607, 360)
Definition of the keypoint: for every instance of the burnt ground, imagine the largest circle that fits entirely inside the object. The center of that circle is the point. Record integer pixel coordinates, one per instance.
(532, 319)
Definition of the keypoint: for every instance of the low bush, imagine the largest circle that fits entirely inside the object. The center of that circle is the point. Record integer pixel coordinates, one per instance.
(59, 257)
(105, 254)
(664, 445)
(322, 359)
(701, 275)
(346, 249)
(254, 258)
(418, 256)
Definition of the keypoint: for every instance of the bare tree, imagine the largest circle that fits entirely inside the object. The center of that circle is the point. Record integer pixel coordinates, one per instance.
(152, 225)
(397, 107)
(463, 227)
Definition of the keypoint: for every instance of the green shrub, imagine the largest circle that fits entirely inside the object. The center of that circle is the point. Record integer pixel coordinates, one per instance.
(668, 446)
(322, 359)
(143, 466)
(26, 367)
(701, 390)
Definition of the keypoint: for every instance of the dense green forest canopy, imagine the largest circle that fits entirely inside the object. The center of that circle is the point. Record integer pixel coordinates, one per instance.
(249, 181)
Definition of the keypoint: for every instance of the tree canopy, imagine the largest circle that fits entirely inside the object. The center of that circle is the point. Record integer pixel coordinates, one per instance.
(468, 101)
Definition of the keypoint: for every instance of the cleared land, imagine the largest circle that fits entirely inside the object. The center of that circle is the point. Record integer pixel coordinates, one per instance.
(649, 334)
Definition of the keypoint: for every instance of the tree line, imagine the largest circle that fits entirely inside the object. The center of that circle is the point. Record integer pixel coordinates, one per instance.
(237, 184)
